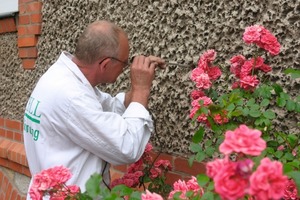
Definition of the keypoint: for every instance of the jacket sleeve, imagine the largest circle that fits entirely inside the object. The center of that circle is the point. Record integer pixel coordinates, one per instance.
(115, 138)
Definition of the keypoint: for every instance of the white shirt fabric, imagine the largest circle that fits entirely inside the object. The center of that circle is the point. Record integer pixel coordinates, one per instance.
(68, 122)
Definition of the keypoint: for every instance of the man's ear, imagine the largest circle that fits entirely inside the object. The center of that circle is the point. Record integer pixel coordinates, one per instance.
(103, 64)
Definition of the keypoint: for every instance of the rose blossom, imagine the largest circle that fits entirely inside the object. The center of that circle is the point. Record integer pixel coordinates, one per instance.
(243, 140)
(164, 164)
(236, 64)
(214, 167)
(195, 94)
(268, 181)
(151, 196)
(214, 73)
(290, 191)
(201, 79)
(249, 82)
(183, 187)
(228, 183)
(206, 58)
(262, 37)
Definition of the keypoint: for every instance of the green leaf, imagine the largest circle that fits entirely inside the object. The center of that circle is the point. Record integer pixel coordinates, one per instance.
(195, 147)
(246, 111)
(290, 105)
(251, 102)
(254, 113)
(122, 190)
(202, 179)
(200, 156)
(191, 160)
(135, 196)
(293, 72)
(269, 114)
(198, 135)
(289, 156)
(264, 102)
(210, 151)
(292, 140)
(93, 185)
(230, 107)
(277, 88)
(208, 196)
(278, 154)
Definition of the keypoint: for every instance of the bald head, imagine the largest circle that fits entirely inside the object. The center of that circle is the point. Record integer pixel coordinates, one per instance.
(100, 39)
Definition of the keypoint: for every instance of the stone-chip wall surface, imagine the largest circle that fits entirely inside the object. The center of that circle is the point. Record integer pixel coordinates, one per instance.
(176, 30)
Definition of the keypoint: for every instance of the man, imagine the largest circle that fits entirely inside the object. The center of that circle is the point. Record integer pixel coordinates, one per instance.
(69, 122)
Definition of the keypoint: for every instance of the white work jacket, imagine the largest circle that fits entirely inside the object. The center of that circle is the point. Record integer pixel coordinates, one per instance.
(68, 122)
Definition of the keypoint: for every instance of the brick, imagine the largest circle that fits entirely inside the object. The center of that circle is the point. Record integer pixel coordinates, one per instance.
(28, 41)
(9, 134)
(36, 18)
(15, 152)
(14, 195)
(171, 177)
(34, 7)
(181, 165)
(4, 162)
(1, 121)
(28, 63)
(8, 191)
(22, 9)
(35, 29)
(24, 19)
(22, 30)
(121, 168)
(2, 132)
(28, 52)
(26, 171)
(13, 124)
(4, 145)
(115, 175)
(15, 166)
(18, 137)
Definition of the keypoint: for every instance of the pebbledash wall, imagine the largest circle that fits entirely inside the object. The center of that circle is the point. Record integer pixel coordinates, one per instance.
(177, 30)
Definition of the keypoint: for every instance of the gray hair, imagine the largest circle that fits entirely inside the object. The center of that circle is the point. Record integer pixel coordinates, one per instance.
(100, 39)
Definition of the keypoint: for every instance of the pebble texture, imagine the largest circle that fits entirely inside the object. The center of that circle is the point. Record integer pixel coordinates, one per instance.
(176, 30)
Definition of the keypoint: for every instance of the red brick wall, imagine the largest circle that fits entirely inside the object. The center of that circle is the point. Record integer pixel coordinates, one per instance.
(12, 156)
(29, 28)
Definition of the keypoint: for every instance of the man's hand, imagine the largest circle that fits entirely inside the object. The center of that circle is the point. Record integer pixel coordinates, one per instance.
(142, 73)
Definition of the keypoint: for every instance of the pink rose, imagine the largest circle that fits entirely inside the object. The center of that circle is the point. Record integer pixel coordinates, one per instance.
(236, 63)
(164, 164)
(252, 34)
(193, 185)
(60, 174)
(214, 167)
(35, 194)
(268, 181)
(263, 38)
(179, 186)
(206, 58)
(214, 73)
(243, 140)
(148, 148)
(201, 79)
(229, 184)
(290, 191)
(151, 196)
(249, 82)
(195, 94)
